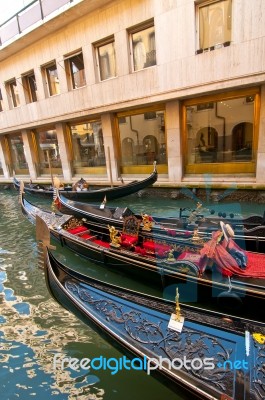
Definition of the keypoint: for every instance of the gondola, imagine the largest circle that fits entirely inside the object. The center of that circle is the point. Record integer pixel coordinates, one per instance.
(212, 356)
(109, 193)
(252, 239)
(162, 263)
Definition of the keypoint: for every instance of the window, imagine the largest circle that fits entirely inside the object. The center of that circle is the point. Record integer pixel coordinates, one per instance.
(105, 58)
(88, 147)
(214, 19)
(49, 159)
(76, 68)
(143, 46)
(142, 140)
(221, 131)
(18, 158)
(30, 87)
(52, 79)
(13, 93)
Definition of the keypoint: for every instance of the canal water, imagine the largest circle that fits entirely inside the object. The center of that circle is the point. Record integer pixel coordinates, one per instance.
(34, 328)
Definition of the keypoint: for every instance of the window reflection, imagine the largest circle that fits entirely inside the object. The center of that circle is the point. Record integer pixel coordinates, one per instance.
(144, 48)
(214, 23)
(18, 158)
(106, 60)
(14, 93)
(77, 70)
(88, 146)
(53, 79)
(143, 139)
(220, 132)
(30, 87)
(48, 152)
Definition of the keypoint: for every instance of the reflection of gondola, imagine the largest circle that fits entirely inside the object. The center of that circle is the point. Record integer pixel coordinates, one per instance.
(82, 193)
(231, 348)
(179, 259)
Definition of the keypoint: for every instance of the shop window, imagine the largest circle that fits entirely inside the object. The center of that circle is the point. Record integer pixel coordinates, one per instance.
(30, 87)
(18, 158)
(52, 79)
(88, 148)
(214, 20)
(12, 91)
(49, 160)
(143, 47)
(105, 59)
(217, 135)
(75, 66)
(142, 140)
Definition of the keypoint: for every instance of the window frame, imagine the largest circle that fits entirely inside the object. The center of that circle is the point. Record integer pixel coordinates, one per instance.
(137, 29)
(14, 97)
(69, 69)
(218, 168)
(212, 46)
(140, 168)
(47, 76)
(30, 87)
(97, 46)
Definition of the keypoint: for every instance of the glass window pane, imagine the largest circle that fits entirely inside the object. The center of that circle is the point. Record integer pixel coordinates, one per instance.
(220, 131)
(48, 152)
(53, 80)
(14, 93)
(107, 63)
(142, 140)
(32, 87)
(88, 146)
(214, 23)
(18, 158)
(144, 49)
(77, 71)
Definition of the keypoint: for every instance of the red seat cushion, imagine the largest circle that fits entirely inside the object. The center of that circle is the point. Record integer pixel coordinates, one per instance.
(77, 230)
(160, 249)
(128, 240)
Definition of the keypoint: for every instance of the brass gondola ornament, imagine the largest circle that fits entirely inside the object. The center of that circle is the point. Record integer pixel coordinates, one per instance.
(259, 337)
(176, 320)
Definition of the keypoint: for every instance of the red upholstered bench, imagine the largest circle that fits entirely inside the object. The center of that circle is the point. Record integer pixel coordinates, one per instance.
(87, 236)
(158, 248)
(77, 230)
(128, 240)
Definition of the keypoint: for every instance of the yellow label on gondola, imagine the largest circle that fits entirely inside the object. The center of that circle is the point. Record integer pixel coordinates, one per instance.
(259, 338)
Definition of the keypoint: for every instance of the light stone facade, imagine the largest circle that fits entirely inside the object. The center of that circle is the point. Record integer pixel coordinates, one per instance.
(179, 74)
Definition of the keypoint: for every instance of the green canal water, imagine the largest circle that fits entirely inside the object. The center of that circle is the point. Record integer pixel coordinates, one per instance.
(34, 328)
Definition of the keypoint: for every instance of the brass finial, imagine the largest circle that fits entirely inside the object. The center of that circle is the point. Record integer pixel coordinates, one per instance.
(178, 313)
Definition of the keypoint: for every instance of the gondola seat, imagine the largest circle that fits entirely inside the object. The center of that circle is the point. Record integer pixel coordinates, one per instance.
(77, 230)
(130, 231)
(159, 249)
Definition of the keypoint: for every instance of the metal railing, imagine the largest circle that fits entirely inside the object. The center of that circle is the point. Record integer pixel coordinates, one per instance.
(34, 12)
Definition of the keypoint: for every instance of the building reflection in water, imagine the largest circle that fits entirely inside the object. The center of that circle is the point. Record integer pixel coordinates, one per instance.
(32, 331)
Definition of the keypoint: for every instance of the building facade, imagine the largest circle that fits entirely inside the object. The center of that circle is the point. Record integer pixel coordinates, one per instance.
(103, 89)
